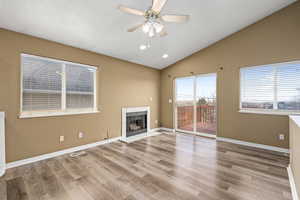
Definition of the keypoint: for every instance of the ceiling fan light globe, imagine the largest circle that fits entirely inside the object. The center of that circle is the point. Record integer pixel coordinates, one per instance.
(146, 28)
(151, 32)
(158, 27)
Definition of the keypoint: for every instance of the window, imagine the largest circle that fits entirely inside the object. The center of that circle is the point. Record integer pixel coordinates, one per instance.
(271, 88)
(54, 87)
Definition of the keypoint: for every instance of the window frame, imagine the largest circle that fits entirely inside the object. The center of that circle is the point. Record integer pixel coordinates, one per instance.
(63, 111)
(265, 111)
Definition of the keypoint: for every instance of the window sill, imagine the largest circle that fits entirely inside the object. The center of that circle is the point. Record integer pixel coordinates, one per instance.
(24, 116)
(261, 112)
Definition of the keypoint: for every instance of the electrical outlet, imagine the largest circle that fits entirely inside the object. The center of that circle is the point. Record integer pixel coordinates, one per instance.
(170, 100)
(61, 138)
(281, 136)
(151, 98)
(80, 135)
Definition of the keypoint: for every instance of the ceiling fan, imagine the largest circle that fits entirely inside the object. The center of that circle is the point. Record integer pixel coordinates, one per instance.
(153, 20)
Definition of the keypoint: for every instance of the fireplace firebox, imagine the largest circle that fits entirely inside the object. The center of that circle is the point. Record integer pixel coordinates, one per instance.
(136, 123)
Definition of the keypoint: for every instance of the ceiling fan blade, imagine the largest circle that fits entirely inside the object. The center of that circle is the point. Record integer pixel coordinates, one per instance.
(175, 18)
(157, 5)
(135, 28)
(163, 33)
(131, 10)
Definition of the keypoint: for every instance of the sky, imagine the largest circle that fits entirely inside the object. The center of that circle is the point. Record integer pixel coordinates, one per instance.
(205, 87)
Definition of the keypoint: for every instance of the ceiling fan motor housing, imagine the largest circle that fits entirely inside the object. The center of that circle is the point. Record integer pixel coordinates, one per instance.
(151, 15)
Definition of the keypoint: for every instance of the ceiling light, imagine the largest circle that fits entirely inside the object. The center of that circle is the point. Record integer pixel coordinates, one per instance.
(158, 27)
(143, 47)
(165, 55)
(151, 28)
(146, 27)
(151, 32)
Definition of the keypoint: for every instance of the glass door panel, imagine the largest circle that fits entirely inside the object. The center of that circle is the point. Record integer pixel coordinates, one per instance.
(206, 112)
(184, 103)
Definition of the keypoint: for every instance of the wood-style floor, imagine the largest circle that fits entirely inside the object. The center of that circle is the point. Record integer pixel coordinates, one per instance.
(164, 167)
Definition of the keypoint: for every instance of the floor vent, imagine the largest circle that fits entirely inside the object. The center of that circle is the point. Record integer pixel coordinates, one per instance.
(77, 154)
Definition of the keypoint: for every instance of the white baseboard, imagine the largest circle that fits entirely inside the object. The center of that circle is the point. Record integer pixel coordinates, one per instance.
(135, 137)
(251, 144)
(206, 135)
(292, 183)
(58, 153)
(155, 130)
(154, 133)
(197, 133)
(167, 129)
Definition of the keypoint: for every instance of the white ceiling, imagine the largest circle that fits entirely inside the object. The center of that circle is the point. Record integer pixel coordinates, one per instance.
(98, 26)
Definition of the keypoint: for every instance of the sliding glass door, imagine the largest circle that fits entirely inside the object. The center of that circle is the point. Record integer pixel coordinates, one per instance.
(185, 103)
(195, 104)
(206, 117)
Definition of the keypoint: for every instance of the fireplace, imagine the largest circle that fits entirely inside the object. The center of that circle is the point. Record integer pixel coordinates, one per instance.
(135, 123)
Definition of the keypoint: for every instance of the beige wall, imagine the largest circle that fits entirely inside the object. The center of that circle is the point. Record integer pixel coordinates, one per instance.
(272, 40)
(295, 150)
(120, 84)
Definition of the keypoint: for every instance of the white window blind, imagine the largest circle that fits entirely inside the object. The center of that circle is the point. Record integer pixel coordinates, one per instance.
(271, 87)
(80, 87)
(42, 87)
(55, 87)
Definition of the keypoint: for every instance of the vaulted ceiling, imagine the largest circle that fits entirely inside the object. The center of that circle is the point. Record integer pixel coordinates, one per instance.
(98, 26)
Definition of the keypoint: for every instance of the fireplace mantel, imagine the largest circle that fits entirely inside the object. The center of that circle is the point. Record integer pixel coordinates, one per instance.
(124, 122)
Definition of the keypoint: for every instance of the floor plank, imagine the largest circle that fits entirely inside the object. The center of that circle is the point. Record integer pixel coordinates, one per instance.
(16, 189)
